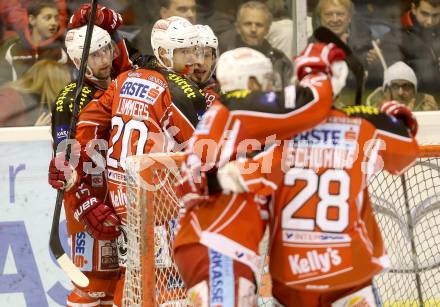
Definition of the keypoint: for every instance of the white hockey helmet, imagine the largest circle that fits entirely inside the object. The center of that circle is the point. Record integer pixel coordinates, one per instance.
(75, 39)
(236, 66)
(173, 33)
(207, 38)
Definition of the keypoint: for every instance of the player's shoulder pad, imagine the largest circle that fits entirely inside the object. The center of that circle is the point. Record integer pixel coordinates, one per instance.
(379, 120)
(184, 92)
(254, 101)
(66, 97)
(183, 88)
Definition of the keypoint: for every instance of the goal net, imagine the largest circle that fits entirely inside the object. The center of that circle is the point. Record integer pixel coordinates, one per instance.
(407, 209)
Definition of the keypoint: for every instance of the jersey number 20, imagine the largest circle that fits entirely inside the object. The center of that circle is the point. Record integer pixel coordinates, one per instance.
(125, 130)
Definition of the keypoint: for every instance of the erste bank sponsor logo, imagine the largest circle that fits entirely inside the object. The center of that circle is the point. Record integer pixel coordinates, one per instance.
(329, 134)
(313, 261)
(329, 145)
(141, 90)
(83, 251)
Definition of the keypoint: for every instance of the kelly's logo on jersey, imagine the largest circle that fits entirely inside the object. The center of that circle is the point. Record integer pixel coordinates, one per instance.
(315, 261)
(141, 89)
(329, 134)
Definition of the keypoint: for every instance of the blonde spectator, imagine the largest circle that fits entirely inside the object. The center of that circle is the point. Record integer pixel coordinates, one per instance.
(336, 15)
(28, 100)
(339, 17)
(400, 83)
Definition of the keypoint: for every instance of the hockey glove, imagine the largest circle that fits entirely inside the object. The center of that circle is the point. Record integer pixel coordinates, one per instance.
(99, 220)
(317, 57)
(402, 112)
(106, 18)
(62, 175)
(192, 188)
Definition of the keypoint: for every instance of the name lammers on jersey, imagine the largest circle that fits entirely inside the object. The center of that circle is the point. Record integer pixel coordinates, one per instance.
(133, 108)
(313, 261)
(329, 145)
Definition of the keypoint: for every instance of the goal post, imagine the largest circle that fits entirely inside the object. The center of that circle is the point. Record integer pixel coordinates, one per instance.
(407, 209)
(151, 277)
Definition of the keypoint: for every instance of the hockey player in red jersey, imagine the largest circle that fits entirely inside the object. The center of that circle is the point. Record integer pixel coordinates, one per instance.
(216, 246)
(150, 109)
(325, 244)
(93, 251)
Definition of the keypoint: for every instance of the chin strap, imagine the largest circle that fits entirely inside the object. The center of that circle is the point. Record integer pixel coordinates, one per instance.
(100, 83)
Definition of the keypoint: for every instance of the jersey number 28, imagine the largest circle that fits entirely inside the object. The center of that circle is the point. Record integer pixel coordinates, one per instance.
(321, 185)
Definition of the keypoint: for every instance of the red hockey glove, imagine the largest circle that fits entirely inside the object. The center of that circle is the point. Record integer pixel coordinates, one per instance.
(62, 175)
(99, 219)
(402, 112)
(106, 18)
(192, 188)
(317, 57)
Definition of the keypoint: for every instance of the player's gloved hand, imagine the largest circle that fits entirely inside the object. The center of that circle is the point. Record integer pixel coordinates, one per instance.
(402, 112)
(317, 57)
(192, 188)
(99, 219)
(62, 175)
(230, 179)
(106, 18)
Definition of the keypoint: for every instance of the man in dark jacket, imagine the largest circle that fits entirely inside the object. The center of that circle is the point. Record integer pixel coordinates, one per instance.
(253, 23)
(418, 43)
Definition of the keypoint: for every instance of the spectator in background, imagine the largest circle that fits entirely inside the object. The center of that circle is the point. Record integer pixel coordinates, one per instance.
(251, 27)
(41, 39)
(280, 33)
(27, 101)
(337, 15)
(14, 18)
(400, 83)
(418, 43)
(168, 8)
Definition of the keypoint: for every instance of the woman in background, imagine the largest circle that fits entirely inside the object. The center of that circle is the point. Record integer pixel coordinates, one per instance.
(27, 101)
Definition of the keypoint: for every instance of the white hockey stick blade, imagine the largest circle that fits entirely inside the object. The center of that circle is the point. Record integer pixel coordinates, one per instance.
(72, 271)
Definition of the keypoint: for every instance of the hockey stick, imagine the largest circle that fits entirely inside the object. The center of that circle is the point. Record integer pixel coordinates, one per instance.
(64, 261)
(325, 35)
